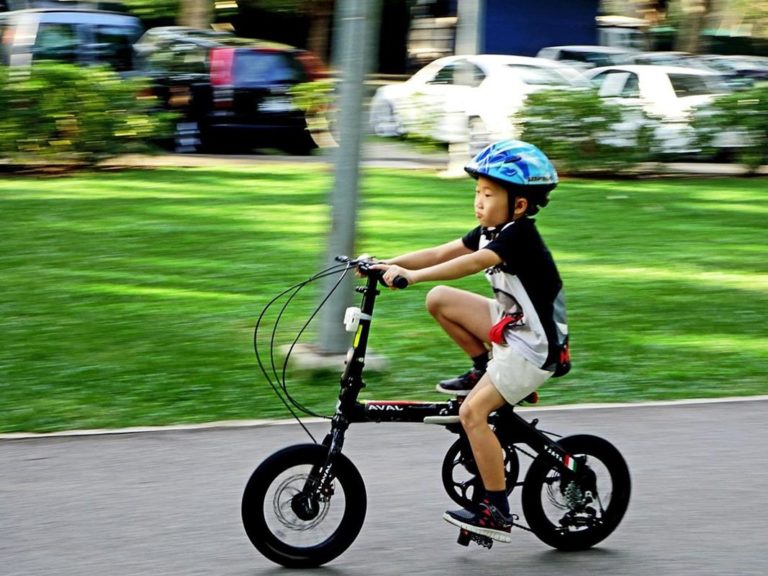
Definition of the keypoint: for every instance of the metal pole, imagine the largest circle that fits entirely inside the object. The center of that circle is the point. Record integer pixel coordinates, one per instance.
(468, 32)
(357, 24)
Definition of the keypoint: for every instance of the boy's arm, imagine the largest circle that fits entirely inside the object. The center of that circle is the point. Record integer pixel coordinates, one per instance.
(458, 267)
(430, 256)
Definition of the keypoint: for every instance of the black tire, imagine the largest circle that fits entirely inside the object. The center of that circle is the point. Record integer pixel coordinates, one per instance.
(478, 136)
(272, 523)
(384, 121)
(562, 513)
(461, 478)
(302, 144)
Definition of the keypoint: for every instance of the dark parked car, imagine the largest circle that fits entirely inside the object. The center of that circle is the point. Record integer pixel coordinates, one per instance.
(587, 56)
(228, 90)
(68, 35)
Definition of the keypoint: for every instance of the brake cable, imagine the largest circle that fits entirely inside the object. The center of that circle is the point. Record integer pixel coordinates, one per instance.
(279, 385)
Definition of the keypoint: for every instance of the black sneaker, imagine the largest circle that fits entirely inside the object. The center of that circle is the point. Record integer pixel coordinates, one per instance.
(488, 521)
(461, 385)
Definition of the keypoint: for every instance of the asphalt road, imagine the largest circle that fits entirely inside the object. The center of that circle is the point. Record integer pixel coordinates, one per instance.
(167, 503)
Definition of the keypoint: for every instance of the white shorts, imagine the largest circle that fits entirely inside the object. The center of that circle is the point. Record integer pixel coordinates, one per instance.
(511, 374)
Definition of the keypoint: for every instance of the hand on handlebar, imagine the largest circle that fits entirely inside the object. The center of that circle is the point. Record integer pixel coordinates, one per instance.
(394, 276)
(364, 263)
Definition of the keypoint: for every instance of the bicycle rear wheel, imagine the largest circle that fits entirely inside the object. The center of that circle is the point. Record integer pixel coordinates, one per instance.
(575, 512)
(295, 528)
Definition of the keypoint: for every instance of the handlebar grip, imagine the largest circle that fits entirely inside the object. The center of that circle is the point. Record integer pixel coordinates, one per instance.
(400, 282)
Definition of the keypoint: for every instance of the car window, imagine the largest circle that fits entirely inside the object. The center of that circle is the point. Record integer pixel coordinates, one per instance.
(631, 88)
(114, 46)
(597, 80)
(156, 59)
(56, 41)
(538, 76)
(597, 59)
(610, 84)
(461, 73)
(467, 74)
(187, 58)
(444, 75)
(693, 85)
(256, 67)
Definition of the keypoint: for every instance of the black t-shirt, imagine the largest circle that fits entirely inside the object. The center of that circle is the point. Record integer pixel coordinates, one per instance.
(527, 282)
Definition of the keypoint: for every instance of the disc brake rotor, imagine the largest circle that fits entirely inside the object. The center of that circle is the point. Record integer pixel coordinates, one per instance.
(296, 510)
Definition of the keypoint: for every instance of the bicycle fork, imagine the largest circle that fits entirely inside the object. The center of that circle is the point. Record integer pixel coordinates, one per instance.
(319, 484)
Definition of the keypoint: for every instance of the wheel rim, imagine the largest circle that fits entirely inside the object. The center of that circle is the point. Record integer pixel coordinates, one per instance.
(298, 520)
(478, 134)
(385, 121)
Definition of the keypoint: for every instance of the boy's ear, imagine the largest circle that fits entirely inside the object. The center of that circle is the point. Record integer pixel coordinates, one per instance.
(520, 207)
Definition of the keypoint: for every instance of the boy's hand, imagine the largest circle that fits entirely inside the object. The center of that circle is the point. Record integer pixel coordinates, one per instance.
(363, 258)
(392, 271)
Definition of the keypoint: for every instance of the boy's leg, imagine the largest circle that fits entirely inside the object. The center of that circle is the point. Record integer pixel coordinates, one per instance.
(466, 318)
(492, 518)
(488, 453)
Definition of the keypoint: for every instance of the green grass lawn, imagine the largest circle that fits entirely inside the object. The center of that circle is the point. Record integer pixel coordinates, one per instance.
(129, 298)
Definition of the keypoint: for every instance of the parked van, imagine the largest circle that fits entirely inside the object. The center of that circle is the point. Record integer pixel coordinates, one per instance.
(67, 35)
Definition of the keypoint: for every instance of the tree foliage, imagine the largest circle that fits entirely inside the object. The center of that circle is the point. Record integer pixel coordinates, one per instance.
(153, 10)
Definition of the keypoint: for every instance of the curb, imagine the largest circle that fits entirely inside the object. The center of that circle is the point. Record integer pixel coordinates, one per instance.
(238, 424)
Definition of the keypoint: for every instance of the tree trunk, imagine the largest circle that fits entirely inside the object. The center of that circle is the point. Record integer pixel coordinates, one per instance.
(195, 13)
(694, 16)
(320, 12)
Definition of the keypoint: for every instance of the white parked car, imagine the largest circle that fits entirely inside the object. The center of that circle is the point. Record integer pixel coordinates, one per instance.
(465, 98)
(666, 94)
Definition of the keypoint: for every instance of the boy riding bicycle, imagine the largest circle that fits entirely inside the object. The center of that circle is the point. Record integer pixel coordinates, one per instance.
(524, 325)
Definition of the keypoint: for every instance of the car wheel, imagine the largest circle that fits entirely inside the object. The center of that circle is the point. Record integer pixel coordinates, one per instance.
(384, 121)
(298, 144)
(478, 135)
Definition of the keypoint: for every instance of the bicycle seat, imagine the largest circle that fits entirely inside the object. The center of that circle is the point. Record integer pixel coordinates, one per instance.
(532, 398)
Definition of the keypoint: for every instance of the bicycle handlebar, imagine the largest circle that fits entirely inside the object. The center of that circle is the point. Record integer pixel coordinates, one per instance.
(364, 267)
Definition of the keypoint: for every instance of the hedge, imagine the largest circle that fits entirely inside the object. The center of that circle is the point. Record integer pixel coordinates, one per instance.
(66, 114)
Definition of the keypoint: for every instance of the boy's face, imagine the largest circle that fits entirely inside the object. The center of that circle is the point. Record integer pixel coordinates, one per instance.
(491, 203)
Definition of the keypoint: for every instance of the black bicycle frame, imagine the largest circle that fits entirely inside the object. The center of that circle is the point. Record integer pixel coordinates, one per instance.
(509, 427)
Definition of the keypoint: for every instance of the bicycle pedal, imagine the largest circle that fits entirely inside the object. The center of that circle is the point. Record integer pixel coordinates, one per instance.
(481, 540)
(465, 537)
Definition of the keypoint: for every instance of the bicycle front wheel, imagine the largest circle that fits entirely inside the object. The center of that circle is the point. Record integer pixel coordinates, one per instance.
(294, 527)
(576, 511)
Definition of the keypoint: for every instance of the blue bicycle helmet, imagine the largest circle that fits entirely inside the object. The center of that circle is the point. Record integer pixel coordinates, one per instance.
(521, 168)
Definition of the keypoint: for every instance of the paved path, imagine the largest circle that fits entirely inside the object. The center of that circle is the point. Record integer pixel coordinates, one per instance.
(396, 154)
(167, 503)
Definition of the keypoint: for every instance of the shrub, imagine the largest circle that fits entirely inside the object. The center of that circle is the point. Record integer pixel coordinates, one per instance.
(61, 113)
(740, 118)
(582, 133)
(316, 100)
